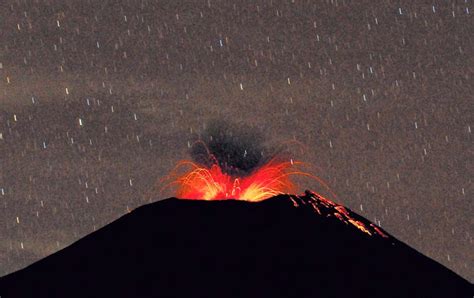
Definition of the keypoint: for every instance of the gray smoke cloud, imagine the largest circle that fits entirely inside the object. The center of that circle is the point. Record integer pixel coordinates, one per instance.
(237, 148)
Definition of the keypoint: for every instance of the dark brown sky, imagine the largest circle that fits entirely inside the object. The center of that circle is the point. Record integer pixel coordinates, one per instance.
(99, 99)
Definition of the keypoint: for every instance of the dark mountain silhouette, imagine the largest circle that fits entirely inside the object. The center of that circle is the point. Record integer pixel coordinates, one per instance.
(286, 246)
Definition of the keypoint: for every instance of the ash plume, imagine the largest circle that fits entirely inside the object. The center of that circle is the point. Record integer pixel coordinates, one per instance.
(237, 148)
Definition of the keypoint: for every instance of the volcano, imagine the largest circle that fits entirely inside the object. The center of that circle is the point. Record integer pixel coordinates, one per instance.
(284, 246)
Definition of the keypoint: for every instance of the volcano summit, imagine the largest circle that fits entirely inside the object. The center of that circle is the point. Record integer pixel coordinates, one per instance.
(284, 246)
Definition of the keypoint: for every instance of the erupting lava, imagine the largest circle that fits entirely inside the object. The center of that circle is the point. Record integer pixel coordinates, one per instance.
(202, 183)
(272, 179)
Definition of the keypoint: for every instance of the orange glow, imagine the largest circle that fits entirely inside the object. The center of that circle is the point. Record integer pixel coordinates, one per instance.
(327, 208)
(201, 183)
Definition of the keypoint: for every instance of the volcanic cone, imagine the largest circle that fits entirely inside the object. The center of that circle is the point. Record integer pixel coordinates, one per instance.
(285, 246)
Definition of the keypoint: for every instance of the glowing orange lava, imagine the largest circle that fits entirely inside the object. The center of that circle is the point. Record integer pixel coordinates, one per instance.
(201, 183)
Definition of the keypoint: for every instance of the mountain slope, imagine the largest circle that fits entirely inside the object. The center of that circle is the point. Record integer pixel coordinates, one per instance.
(286, 246)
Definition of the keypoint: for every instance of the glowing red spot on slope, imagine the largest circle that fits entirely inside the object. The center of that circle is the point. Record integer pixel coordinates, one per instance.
(327, 208)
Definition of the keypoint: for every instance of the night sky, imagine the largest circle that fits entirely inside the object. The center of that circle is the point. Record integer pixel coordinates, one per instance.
(101, 99)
